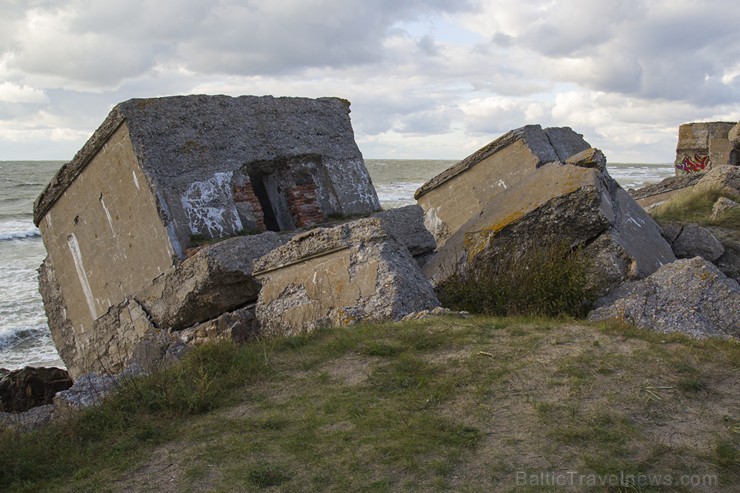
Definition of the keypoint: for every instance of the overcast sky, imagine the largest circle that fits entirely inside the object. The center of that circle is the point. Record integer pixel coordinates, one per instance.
(431, 79)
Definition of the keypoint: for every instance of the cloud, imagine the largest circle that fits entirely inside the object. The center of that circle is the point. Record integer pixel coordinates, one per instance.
(19, 93)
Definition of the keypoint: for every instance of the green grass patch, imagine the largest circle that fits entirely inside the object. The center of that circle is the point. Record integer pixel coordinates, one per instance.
(438, 405)
(696, 207)
(548, 281)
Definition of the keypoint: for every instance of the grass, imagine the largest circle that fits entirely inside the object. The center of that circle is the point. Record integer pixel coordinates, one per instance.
(547, 281)
(696, 207)
(446, 405)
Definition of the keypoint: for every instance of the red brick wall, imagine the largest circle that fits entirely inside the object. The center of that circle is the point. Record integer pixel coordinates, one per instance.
(304, 206)
(245, 193)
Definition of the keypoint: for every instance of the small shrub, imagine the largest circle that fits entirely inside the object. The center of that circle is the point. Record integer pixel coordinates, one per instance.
(547, 281)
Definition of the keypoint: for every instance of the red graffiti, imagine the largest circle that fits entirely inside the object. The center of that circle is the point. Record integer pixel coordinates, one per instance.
(688, 165)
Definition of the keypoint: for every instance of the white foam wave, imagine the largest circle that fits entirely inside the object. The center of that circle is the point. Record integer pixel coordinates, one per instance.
(18, 229)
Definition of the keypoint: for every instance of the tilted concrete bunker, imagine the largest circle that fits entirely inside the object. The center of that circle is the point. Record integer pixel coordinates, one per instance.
(160, 172)
(704, 145)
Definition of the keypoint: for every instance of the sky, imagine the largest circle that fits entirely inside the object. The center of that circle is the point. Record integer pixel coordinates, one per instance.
(434, 79)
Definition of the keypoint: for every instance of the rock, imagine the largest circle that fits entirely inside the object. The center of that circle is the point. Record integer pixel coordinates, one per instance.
(337, 276)
(590, 158)
(508, 198)
(722, 205)
(435, 312)
(88, 390)
(702, 146)
(21, 390)
(695, 240)
(156, 350)
(653, 195)
(690, 296)
(726, 179)
(26, 421)
(215, 280)
(237, 326)
(670, 230)
(406, 224)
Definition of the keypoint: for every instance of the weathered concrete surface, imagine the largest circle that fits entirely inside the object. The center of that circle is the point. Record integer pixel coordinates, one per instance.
(88, 390)
(656, 194)
(690, 296)
(109, 345)
(696, 241)
(723, 178)
(531, 203)
(21, 390)
(30, 420)
(215, 280)
(160, 173)
(451, 198)
(406, 224)
(237, 326)
(722, 206)
(338, 276)
(702, 146)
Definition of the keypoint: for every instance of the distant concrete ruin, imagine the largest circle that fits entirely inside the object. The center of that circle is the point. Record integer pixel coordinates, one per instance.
(704, 145)
(160, 173)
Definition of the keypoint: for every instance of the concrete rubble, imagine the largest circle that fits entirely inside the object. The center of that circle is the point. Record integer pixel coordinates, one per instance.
(268, 188)
(689, 296)
(162, 174)
(337, 276)
(532, 187)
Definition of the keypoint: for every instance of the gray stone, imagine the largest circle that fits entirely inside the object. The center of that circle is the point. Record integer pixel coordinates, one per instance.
(695, 240)
(590, 158)
(690, 296)
(26, 421)
(665, 186)
(155, 351)
(723, 178)
(406, 224)
(670, 230)
(88, 390)
(722, 205)
(237, 326)
(215, 280)
(338, 276)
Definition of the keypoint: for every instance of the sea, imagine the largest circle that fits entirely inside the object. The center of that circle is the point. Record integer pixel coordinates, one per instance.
(24, 335)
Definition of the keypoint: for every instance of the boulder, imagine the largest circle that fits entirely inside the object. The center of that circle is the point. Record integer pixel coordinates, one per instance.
(690, 296)
(338, 276)
(510, 197)
(237, 326)
(21, 390)
(655, 194)
(406, 224)
(26, 421)
(695, 240)
(215, 280)
(156, 350)
(88, 390)
(723, 178)
(722, 205)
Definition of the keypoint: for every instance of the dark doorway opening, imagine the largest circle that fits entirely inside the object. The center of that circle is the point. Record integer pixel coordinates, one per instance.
(258, 185)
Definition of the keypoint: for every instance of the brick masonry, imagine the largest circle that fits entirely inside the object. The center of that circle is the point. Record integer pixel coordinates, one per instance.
(304, 206)
(245, 194)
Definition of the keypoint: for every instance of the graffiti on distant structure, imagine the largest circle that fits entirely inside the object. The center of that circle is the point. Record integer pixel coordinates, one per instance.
(697, 164)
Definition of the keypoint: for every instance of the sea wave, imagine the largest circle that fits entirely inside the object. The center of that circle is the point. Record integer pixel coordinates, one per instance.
(16, 229)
